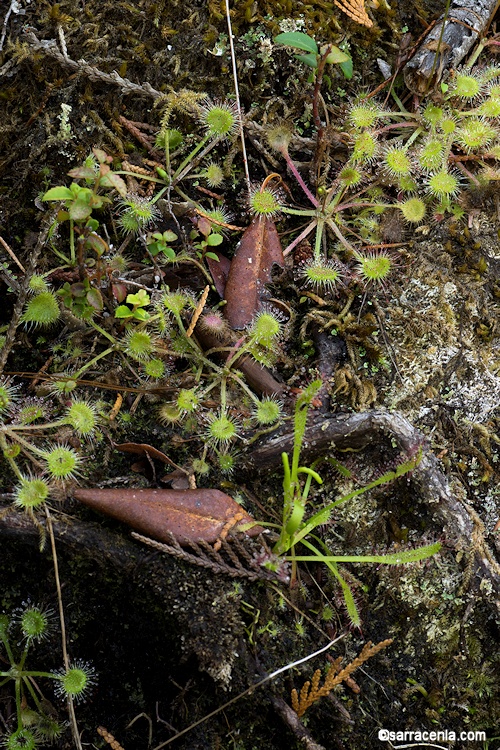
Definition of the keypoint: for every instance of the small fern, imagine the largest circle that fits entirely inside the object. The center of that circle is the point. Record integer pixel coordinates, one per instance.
(311, 690)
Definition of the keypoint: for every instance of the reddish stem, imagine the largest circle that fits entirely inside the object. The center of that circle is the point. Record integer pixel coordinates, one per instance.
(317, 87)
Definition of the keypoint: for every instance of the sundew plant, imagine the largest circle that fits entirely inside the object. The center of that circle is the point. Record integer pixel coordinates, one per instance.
(417, 163)
(41, 464)
(34, 725)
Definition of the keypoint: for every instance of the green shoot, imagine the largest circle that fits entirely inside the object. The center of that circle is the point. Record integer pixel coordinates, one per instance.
(295, 530)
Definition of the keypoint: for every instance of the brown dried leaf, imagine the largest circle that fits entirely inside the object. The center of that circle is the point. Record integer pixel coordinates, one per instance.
(141, 449)
(190, 515)
(258, 250)
(219, 270)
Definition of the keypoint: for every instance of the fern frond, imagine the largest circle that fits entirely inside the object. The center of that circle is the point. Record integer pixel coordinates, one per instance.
(311, 691)
(355, 9)
(232, 560)
(115, 745)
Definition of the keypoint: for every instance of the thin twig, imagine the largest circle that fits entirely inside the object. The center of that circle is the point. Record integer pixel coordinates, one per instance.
(12, 254)
(249, 690)
(94, 74)
(62, 41)
(237, 94)
(12, 6)
(71, 707)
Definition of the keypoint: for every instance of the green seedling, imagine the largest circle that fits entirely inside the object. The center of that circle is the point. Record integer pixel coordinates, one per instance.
(211, 238)
(138, 301)
(159, 242)
(81, 298)
(316, 56)
(295, 530)
(79, 203)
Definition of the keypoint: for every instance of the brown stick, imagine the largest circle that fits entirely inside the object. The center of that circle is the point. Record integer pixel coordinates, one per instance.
(448, 42)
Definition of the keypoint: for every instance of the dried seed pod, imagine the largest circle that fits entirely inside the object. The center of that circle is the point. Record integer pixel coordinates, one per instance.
(190, 515)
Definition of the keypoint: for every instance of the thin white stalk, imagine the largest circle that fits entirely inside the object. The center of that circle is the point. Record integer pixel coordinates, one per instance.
(249, 690)
(237, 94)
(71, 707)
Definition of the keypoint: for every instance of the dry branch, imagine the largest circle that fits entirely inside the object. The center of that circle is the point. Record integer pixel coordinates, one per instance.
(49, 48)
(294, 723)
(448, 42)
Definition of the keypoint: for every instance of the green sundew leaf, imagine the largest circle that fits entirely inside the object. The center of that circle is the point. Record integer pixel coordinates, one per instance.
(59, 193)
(350, 604)
(175, 138)
(297, 39)
(310, 472)
(410, 555)
(400, 471)
(337, 56)
(308, 394)
(342, 470)
(320, 519)
(311, 59)
(214, 239)
(300, 418)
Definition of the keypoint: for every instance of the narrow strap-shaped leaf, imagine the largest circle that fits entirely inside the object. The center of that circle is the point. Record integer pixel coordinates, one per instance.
(393, 558)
